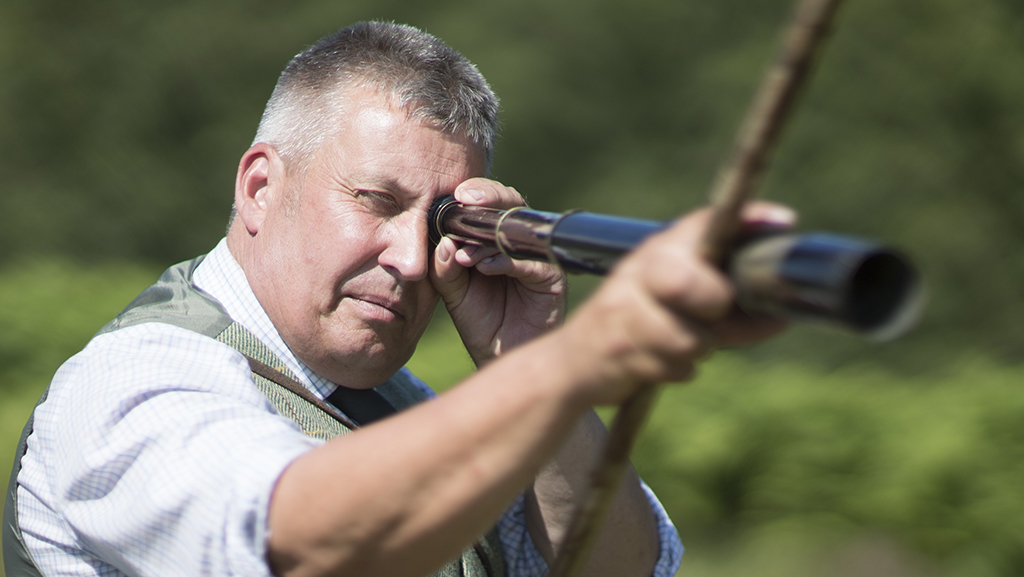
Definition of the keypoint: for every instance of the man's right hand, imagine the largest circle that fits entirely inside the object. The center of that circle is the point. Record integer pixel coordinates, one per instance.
(495, 302)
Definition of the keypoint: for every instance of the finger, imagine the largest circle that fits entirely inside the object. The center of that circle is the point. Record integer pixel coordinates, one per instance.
(670, 268)
(688, 342)
(450, 279)
(769, 213)
(499, 265)
(495, 264)
(742, 329)
(469, 255)
(486, 192)
(682, 279)
(766, 217)
(693, 288)
(637, 338)
(690, 229)
(531, 275)
(528, 272)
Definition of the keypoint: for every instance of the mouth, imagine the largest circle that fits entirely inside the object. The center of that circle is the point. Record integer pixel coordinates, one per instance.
(382, 308)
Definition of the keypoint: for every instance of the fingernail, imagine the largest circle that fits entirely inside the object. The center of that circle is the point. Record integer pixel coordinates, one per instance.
(476, 194)
(780, 215)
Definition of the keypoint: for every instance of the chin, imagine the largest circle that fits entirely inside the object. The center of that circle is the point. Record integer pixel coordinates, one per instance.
(355, 355)
(364, 369)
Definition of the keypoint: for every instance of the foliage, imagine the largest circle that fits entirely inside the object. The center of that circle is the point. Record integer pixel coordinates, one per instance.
(781, 469)
(52, 308)
(774, 466)
(928, 465)
(122, 123)
(440, 358)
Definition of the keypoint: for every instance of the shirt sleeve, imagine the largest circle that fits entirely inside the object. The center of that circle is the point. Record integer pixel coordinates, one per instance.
(524, 560)
(160, 455)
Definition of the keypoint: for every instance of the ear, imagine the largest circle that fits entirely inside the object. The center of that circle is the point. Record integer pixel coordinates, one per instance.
(260, 177)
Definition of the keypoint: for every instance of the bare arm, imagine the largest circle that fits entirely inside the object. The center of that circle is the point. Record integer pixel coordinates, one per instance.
(628, 544)
(407, 494)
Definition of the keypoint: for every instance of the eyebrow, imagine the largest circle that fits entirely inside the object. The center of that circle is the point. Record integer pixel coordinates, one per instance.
(385, 184)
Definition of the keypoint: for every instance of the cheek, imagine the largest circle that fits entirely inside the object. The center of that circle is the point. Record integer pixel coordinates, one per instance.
(426, 303)
(342, 246)
(356, 231)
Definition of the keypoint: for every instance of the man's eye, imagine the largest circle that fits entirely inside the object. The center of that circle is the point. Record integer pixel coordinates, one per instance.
(379, 201)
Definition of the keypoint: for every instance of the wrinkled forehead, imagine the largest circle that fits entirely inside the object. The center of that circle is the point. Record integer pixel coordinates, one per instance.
(361, 109)
(358, 96)
(376, 140)
(375, 110)
(355, 93)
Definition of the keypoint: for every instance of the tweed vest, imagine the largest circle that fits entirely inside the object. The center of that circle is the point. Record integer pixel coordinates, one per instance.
(176, 301)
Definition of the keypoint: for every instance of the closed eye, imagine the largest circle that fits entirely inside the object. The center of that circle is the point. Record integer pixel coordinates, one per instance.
(380, 202)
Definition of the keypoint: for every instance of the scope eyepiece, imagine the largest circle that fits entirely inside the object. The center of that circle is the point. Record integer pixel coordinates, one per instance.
(435, 230)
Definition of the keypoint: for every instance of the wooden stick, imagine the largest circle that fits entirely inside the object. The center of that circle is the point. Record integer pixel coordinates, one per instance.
(605, 481)
(736, 184)
(739, 177)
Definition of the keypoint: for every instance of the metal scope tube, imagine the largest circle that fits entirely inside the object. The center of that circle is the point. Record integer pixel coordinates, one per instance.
(851, 282)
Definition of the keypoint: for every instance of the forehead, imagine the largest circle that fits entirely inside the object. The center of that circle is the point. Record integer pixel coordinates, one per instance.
(377, 140)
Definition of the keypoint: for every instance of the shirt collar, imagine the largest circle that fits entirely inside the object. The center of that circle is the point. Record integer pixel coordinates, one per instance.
(220, 276)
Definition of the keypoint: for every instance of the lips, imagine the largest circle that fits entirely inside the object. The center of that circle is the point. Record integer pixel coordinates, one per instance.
(394, 306)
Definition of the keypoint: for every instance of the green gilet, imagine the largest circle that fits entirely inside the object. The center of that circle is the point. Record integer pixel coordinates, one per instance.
(176, 301)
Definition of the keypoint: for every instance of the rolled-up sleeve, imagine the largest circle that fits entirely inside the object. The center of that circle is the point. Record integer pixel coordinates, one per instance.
(155, 453)
(524, 560)
(161, 457)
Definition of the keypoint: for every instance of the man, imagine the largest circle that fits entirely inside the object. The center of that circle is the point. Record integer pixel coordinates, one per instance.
(179, 442)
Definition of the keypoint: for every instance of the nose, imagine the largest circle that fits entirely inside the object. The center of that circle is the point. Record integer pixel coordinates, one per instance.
(406, 250)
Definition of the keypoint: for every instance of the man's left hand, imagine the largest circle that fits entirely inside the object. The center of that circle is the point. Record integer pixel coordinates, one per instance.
(495, 302)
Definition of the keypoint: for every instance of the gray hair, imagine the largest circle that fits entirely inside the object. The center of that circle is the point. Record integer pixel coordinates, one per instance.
(425, 76)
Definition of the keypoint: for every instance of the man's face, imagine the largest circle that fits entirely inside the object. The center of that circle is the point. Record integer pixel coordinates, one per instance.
(344, 253)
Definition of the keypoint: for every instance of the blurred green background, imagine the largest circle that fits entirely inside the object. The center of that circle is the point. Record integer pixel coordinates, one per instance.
(121, 124)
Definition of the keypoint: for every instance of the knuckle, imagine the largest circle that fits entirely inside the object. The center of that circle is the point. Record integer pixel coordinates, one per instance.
(681, 372)
(686, 344)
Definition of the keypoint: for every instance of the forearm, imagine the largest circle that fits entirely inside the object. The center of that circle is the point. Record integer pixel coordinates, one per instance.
(628, 543)
(405, 495)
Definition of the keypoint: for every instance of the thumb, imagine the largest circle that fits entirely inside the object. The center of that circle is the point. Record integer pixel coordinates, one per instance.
(450, 279)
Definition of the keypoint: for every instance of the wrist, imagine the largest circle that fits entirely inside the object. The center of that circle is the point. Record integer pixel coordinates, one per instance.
(585, 373)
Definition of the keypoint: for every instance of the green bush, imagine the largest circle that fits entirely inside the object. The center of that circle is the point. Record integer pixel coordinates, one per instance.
(121, 126)
(932, 464)
(50, 309)
(774, 468)
(766, 468)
